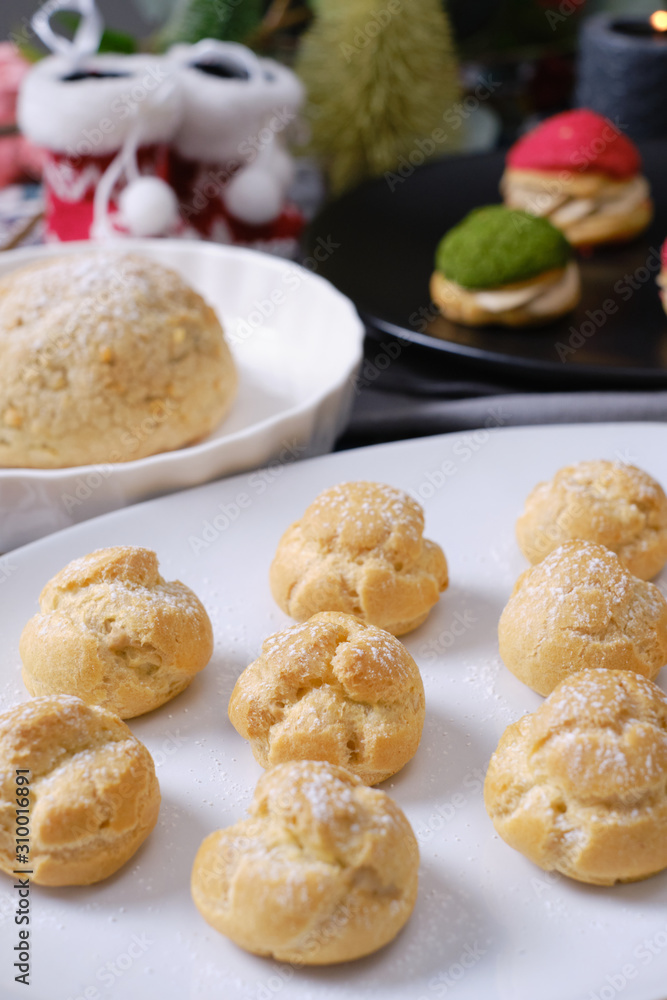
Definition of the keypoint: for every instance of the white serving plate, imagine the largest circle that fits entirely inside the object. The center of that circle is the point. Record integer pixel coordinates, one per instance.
(488, 925)
(297, 342)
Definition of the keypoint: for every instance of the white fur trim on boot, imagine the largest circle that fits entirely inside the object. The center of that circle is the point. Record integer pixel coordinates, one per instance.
(67, 112)
(226, 113)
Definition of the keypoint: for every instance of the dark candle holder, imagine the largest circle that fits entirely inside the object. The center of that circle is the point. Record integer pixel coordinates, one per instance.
(622, 73)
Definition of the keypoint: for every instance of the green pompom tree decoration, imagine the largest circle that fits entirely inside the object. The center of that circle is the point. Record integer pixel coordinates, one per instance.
(381, 77)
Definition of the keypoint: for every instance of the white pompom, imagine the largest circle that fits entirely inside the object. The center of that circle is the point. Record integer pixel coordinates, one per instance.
(254, 196)
(282, 165)
(148, 206)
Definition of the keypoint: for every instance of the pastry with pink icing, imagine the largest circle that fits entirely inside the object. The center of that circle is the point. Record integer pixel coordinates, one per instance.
(578, 170)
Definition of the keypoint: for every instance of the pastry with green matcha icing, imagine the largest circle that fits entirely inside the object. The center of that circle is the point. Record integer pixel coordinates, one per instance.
(505, 267)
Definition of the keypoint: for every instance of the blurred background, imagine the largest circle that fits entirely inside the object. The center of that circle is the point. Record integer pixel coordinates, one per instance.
(529, 44)
(381, 78)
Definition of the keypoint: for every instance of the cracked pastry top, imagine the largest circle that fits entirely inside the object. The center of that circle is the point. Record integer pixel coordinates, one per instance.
(611, 503)
(581, 608)
(107, 357)
(580, 785)
(334, 689)
(111, 631)
(94, 796)
(324, 869)
(359, 548)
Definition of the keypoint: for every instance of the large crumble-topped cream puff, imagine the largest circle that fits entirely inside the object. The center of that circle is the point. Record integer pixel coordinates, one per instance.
(107, 357)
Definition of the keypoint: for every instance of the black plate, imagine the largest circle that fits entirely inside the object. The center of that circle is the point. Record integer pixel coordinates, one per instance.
(377, 245)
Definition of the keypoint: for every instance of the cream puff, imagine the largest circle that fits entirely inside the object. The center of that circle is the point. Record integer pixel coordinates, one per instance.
(577, 170)
(580, 785)
(86, 787)
(323, 870)
(336, 689)
(359, 548)
(579, 608)
(114, 633)
(611, 503)
(500, 266)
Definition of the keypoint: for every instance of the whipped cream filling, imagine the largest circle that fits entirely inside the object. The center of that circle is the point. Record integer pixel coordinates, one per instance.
(564, 210)
(540, 298)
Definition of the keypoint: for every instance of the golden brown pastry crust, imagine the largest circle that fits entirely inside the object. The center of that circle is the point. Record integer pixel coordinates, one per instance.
(107, 357)
(334, 689)
(94, 796)
(524, 188)
(611, 503)
(581, 608)
(579, 786)
(111, 631)
(460, 304)
(359, 549)
(323, 871)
